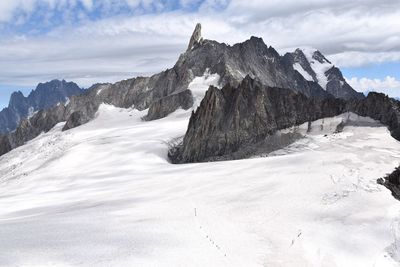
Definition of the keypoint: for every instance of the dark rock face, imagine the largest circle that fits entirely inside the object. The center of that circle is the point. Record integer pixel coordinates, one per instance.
(232, 118)
(42, 121)
(44, 96)
(317, 55)
(382, 108)
(196, 36)
(392, 182)
(338, 87)
(169, 104)
(5, 145)
(48, 94)
(18, 104)
(76, 119)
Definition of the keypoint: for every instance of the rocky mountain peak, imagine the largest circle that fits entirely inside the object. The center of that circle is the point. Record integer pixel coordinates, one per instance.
(196, 36)
(255, 39)
(49, 93)
(299, 55)
(298, 51)
(16, 97)
(317, 55)
(45, 95)
(314, 66)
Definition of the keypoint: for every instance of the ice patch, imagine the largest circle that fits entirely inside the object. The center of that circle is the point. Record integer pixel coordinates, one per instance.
(318, 67)
(200, 85)
(304, 73)
(272, 59)
(31, 112)
(101, 88)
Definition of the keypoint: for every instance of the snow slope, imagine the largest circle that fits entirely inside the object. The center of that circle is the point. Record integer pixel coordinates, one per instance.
(303, 73)
(199, 86)
(104, 194)
(318, 67)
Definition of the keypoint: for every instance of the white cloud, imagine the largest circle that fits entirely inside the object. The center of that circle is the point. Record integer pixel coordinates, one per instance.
(107, 50)
(88, 4)
(389, 85)
(8, 8)
(357, 59)
(350, 33)
(11, 8)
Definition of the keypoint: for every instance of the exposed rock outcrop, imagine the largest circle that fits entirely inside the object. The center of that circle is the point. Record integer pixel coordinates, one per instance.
(232, 119)
(235, 117)
(392, 182)
(338, 86)
(382, 108)
(5, 145)
(196, 37)
(169, 104)
(76, 119)
(42, 121)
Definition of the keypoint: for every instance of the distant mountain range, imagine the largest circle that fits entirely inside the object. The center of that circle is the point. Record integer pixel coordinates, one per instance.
(44, 96)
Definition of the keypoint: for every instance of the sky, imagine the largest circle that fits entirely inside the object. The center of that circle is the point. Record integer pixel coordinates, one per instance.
(90, 41)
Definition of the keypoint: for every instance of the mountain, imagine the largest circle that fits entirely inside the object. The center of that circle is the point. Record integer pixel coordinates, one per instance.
(44, 96)
(170, 90)
(313, 66)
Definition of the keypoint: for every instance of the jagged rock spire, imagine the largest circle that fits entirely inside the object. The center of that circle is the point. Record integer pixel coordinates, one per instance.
(196, 36)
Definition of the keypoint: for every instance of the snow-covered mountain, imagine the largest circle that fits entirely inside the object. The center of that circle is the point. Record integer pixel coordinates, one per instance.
(313, 66)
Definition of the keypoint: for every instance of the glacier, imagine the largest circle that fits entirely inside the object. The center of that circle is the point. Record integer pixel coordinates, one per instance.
(104, 194)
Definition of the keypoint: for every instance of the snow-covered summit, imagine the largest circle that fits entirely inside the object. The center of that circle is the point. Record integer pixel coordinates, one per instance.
(319, 65)
(315, 67)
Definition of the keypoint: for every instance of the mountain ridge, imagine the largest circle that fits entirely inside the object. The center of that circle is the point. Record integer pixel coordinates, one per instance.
(44, 96)
(230, 120)
(167, 91)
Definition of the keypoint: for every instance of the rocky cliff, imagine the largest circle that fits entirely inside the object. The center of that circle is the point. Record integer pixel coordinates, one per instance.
(379, 107)
(231, 119)
(392, 182)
